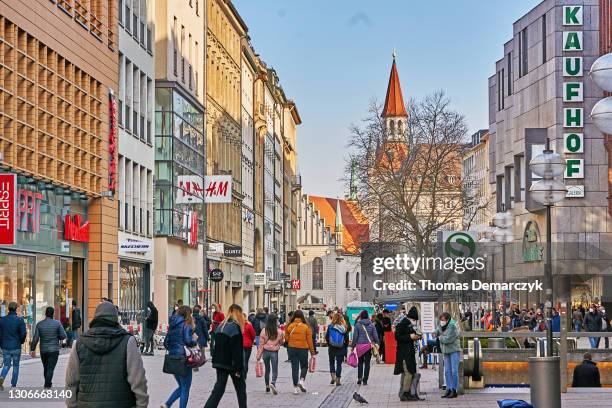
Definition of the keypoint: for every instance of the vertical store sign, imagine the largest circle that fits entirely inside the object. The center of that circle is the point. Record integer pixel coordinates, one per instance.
(112, 142)
(573, 98)
(8, 187)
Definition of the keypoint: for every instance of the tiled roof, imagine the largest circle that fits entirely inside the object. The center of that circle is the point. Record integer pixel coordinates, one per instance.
(394, 102)
(356, 228)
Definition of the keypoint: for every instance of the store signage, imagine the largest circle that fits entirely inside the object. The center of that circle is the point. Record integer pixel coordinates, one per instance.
(216, 275)
(428, 317)
(112, 142)
(65, 246)
(232, 251)
(296, 284)
(215, 248)
(212, 189)
(573, 93)
(190, 190)
(459, 243)
(533, 250)
(8, 186)
(218, 189)
(191, 226)
(134, 246)
(74, 230)
(292, 257)
(259, 278)
(28, 210)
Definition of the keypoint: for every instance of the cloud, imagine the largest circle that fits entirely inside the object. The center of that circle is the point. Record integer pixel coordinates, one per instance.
(360, 18)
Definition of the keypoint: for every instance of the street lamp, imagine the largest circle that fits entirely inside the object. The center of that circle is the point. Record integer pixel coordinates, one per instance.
(503, 234)
(548, 192)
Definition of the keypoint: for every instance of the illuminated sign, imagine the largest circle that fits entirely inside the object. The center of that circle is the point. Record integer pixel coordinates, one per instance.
(74, 230)
(112, 142)
(8, 184)
(28, 210)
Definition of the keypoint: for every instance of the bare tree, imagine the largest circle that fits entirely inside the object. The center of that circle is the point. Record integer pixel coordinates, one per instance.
(410, 187)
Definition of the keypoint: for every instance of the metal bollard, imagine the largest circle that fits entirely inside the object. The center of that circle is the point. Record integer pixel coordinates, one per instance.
(545, 386)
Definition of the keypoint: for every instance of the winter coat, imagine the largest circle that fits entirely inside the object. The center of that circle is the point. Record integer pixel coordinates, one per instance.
(271, 345)
(201, 329)
(314, 324)
(248, 336)
(49, 332)
(586, 375)
(337, 351)
(76, 320)
(105, 369)
(299, 335)
(12, 331)
(449, 338)
(259, 322)
(592, 322)
(179, 335)
(152, 319)
(362, 327)
(228, 353)
(405, 347)
(217, 319)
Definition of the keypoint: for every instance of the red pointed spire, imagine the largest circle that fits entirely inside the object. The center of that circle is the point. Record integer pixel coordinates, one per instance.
(394, 102)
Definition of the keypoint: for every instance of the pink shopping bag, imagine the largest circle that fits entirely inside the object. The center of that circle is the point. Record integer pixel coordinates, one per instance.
(312, 364)
(259, 368)
(352, 359)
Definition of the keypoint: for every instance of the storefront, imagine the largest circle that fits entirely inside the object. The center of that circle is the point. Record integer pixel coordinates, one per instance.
(45, 265)
(134, 289)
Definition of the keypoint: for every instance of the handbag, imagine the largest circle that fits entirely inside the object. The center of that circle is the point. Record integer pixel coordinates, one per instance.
(259, 368)
(312, 364)
(375, 346)
(195, 357)
(352, 359)
(175, 365)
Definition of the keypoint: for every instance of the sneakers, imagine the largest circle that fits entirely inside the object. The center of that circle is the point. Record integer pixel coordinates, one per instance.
(273, 388)
(163, 406)
(267, 389)
(301, 385)
(296, 391)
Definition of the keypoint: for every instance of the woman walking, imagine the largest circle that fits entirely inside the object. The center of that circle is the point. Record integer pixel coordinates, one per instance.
(270, 340)
(180, 334)
(299, 342)
(448, 335)
(364, 336)
(228, 358)
(248, 338)
(337, 340)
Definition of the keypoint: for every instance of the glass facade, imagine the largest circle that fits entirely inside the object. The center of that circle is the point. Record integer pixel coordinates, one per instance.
(134, 284)
(179, 151)
(185, 289)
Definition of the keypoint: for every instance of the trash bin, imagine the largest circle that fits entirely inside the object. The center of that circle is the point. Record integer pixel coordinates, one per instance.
(545, 385)
(390, 347)
(496, 343)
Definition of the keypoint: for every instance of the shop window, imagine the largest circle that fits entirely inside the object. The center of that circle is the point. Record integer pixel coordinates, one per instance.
(132, 292)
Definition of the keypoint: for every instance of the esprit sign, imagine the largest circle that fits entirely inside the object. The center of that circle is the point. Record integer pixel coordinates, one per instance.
(573, 98)
(212, 189)
(8, 186)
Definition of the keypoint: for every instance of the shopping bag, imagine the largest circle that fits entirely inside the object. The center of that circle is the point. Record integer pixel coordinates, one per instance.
(259, 368)
(312, 364)
(352, 359)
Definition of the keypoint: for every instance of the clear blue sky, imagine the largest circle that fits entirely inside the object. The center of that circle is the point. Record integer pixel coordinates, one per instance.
(333, 57)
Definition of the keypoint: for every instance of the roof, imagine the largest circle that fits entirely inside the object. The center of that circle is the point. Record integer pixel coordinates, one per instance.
(394, 102)
(356, 227)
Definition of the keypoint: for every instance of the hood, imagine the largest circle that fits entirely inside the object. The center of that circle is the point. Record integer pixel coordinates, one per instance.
(413, 313)
(102, 340)
(260, 316)
(176, 320)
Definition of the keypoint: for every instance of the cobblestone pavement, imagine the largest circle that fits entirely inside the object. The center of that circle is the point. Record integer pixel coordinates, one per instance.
(381, 390)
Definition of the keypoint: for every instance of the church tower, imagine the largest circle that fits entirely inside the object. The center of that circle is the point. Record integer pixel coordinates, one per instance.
(394, 112)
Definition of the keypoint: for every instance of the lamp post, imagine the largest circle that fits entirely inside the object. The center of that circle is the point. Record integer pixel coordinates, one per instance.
(503, 235)
(548, 191)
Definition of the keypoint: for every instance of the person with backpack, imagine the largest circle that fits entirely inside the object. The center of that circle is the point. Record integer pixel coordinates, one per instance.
(180, 335)
(337, 339)
(228, 358)
(299, 341)
(314, 326)
(258, 322)
(270, 340)
(364, 338)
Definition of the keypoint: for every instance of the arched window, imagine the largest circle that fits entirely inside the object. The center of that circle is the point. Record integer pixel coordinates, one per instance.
(391, 127)
(317, 273)
(357, 283)
(400, 127)
(347, 284)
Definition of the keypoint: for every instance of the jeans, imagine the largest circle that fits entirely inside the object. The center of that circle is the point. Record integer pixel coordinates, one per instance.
(182, 392)
(256, 341)
(335, 364)
(148, 339)
(247, 356)
(49, 361)
(299, 363)
(594, 342)
(451, 370)
(363, 367)
(578, 326)
(270, 358)
(219, 389)
(11, 357)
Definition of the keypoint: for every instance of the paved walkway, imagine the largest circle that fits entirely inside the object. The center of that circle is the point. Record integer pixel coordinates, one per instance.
(381, 390)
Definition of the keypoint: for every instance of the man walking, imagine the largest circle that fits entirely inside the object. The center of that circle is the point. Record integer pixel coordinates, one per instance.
(586, 374)
(75, 322)
(49, 332)
(593, 323)
(13, 335)
(105, 367)
(314, 326)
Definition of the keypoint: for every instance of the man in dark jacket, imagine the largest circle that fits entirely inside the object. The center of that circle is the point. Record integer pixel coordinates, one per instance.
(586, 374)
(150, 326)
(406, 333)
(314, 326)
(105, 366)
(593, 323)
(259, 322)
(13, 334)
(201, 327)
(49, 332)
(75, 322)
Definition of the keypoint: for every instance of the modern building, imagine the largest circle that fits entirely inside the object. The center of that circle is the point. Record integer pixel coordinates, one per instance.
(180, 154)
(541, 92)
(58, 153)
(475, 176)
(135, 97)
(331, 232)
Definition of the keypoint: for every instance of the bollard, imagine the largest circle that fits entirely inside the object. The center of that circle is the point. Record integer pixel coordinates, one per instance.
(496, 343)
(544, 379)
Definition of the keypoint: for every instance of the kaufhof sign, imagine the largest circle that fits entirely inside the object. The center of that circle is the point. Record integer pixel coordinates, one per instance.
(573, 98)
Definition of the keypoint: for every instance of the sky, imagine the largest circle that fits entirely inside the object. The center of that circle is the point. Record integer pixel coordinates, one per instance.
(334, 57)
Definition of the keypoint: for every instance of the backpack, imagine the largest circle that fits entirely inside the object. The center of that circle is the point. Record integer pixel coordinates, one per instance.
(336, 338)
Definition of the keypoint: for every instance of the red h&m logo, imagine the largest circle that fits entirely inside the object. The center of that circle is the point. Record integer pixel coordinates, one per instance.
(296, 284)
(74, 231)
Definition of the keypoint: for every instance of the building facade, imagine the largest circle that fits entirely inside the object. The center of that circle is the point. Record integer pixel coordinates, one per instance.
(475, 177)
(58, 155)
(541, 92)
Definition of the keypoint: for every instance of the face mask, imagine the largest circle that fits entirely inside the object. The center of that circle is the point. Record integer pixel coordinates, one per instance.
(443, 323)
(591, 310)
(603, 310)
(175, 307)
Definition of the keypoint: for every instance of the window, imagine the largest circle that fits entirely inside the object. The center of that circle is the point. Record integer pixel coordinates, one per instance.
(509, 69)
(174, 46)
(183, 54)
(317, 273)
(357, 283)
(500, 90)
(544, 38)
(197, 7)
(523, 52)
(347, 278)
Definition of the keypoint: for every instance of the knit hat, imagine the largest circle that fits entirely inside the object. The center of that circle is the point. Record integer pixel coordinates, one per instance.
(413, 313)
(106, 310)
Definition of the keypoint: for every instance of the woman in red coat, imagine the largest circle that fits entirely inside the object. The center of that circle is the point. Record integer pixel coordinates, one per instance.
(217, 319)
(248, 338)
